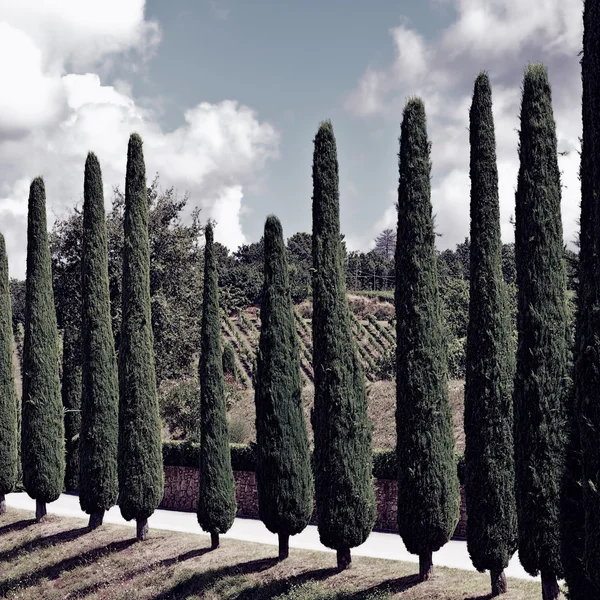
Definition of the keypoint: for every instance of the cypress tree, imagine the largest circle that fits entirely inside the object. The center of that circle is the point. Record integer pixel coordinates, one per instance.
(581, 544)
(229, 365)
(140, 445)
(542, 336)
(216, 502)
(283, 472)
(42, 429)
(71, 399)
(428, 496)
(98, 487)
(8, 395)
(489, 453)
(342, 430)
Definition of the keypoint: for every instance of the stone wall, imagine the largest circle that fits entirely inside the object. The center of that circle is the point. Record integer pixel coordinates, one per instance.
(181, 493)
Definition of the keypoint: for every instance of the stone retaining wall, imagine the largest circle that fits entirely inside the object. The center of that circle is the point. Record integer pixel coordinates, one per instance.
(181, 493)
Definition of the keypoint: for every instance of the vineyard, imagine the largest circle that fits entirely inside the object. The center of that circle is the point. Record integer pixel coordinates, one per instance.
(373, 325)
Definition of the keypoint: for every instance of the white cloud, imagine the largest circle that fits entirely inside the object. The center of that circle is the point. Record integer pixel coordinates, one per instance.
(50, 118)
(500, 36)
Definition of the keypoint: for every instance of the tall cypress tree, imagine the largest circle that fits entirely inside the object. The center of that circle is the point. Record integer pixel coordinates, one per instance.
(343, 432)
(489, 453)
(42, 429)
(140, 445)
(71, 399)
(229, 365)
(580, 539)
(98, 487)
(541, 374)
(8, 395)
(216, 502)
(428, 496)
(284, 477)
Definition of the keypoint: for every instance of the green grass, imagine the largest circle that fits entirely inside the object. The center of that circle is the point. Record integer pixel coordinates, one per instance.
(59, 559)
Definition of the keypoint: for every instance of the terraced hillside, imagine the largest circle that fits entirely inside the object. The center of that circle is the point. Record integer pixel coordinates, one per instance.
(373, 325)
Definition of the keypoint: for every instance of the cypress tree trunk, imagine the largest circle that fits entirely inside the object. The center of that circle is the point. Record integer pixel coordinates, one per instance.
(98, 487)
(40, 510)
(284, 546)
(541, 373)
(489, 453)
(214, 540)
(283, 470)
(425, 566)
(9, 434)
(342, 430)
(216, 501)
(498, 581)
(581, 547)
(142, 529)
(140, 468)
(550, 589)
(344, 558)
(428, 493)
(71, 399)
(43, 430)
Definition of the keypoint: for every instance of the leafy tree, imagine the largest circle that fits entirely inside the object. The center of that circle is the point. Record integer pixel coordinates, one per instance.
(299, 251)
(581, 499)
(43, 432)
(284, 477)
(385, 243)
(71, 400)
(428, 498)
(542, 329)
(342, 430)
(216, 501)
(489, 454)
(98, 487)
(8, 394)
(229, 365)
(140, 447)
(17, 300)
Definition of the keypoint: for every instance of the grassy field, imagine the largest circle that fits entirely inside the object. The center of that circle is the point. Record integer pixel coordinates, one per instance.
(59, 559)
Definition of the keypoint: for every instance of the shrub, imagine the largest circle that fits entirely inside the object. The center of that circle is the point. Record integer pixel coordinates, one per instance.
(180, 407)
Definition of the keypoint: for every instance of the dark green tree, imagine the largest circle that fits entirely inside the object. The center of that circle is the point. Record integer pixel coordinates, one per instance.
(342, 430)
(43, 430)
(98, 487)
(71, 399)
(229, 365)
(140, 445)
(489, 452)
(428, 498)
(541, 373)
(217, 502)
(8, 394)
(283, 471)
(580, 516)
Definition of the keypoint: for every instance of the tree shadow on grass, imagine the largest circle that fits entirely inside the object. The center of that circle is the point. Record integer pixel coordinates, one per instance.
(42, 542)
(54, 571)
(393, 586)
(484, 597)
(129, 575)
(16, 526)
(199, 582)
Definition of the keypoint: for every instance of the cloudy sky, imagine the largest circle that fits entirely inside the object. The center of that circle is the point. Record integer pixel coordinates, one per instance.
(228, 94)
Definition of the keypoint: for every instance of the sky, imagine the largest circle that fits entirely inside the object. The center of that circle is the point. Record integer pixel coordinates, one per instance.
(228, 95)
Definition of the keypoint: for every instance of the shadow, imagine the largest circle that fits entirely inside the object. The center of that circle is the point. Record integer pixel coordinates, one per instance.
(16, 526)
(128, 575)
(199, 582)
(54, 571)
(394, 586)
(484, 597)
(42, 542)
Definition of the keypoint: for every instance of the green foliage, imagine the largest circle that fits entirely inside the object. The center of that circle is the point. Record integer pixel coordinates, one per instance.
(98, 481)
(237, 430)
(8, 393)
(71, 400)
(580, 514)
(299, 252)
(229, 365)
(139, 455)
(490, 481)
(541, 374)
(216, 502)
(342, 431)
(180, 407)
(428, 498)
(43, 431)
(284, 477)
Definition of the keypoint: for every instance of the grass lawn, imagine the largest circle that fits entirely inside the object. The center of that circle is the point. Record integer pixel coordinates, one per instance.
(59, 559)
